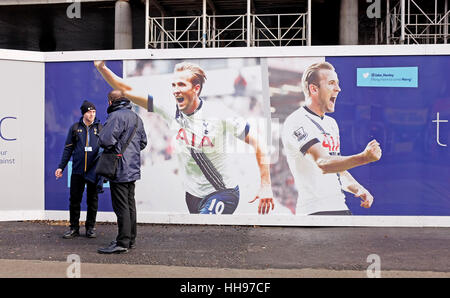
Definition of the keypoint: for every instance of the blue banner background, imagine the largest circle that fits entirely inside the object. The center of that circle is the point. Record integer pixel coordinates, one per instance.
(67, 84)
(413, 175)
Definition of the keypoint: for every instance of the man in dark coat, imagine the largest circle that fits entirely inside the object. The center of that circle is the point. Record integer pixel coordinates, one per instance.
(120, 127)
(82, 146)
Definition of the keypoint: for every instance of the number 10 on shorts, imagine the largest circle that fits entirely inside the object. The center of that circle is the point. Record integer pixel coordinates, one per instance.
(216, 207)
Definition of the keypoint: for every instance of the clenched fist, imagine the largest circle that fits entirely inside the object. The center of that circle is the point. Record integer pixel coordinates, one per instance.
(99, 63)
(58, 173)
(372, 152)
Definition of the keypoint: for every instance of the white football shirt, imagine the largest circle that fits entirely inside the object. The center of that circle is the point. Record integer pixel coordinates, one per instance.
(203, 141)
(317, 192)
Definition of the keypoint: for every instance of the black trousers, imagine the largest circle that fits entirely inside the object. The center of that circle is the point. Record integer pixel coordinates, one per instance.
(77, 185)
(124, 206)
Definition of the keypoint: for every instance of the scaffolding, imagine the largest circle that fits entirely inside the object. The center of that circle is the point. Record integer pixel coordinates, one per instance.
(214, 31)
(414, 22)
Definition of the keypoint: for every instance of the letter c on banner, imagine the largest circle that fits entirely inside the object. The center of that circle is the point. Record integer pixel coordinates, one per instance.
(1, 134)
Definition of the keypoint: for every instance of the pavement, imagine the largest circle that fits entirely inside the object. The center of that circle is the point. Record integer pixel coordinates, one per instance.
(36, 249)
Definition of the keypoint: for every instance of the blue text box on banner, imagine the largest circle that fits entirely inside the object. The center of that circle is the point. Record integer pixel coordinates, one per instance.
(387, 77)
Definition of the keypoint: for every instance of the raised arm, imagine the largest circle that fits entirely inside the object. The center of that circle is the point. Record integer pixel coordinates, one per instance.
(119, 83)
(335, 163)
(265, 194)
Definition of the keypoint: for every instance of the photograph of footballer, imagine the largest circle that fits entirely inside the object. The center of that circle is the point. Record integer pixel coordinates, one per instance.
(312, 148)
(201, 133)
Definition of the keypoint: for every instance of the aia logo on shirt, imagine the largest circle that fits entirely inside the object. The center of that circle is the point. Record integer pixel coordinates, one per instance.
(330, 143)
(194, 141)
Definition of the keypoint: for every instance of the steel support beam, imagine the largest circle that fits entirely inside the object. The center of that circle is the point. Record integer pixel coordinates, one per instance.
(388, 22)
(249, 7)
(147, 23)
(204, 25)
(308, 24)
(403, 25)
(446, 21)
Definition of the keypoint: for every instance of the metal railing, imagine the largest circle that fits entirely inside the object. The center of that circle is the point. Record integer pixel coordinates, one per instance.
(184, 32)
(407, 23)
(280, 35)
(227, 30)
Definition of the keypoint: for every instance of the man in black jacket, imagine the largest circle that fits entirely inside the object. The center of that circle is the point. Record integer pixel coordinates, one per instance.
(121, 126)
(82, 146)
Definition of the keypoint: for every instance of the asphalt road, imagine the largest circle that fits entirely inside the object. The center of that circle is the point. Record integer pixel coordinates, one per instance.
(233, 248)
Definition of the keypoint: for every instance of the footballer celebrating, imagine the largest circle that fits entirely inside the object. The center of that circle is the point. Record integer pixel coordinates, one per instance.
(202, 130)
(312, 146)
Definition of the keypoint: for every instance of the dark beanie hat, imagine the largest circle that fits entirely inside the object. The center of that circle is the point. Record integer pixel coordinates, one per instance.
(87, 106)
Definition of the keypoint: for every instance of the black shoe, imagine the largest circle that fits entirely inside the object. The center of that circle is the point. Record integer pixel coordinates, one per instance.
(90, 233)
(113, 248)
(132, 245)
(72, 233)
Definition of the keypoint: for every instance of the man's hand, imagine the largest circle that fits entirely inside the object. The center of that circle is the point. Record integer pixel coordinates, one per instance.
(265, 197)
(365, 196)
(58, 173)
(99, 63)
(372, 152)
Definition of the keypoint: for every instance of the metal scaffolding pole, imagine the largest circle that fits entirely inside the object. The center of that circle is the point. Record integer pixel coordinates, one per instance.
(163, 37)
(249, 6)
(309, 23)
(446, 21)
(147, 23)
(376, 31)
(435, 18)
(388, 22)
(402, 8)
(204, 25)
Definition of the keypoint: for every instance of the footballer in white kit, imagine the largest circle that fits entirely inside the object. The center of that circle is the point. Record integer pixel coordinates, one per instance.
(312, 146)
(318, 192)
(201, 144)
(202, 131)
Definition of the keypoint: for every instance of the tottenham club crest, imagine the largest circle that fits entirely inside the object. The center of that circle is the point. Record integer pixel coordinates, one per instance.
(300, 134)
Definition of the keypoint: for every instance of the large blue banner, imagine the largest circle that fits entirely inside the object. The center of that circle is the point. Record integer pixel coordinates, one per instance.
(401, 101)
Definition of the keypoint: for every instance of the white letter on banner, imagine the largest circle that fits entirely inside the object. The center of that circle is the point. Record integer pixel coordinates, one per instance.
(437, 130)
